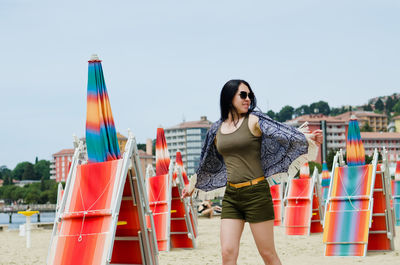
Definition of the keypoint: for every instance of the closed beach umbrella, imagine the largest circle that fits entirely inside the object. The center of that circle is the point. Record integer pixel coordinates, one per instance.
(355, 153)
(304, 171)
(162, 154)
(326, 181)
(179, 166)
(101, 138)
(325, 175)
(397, 172)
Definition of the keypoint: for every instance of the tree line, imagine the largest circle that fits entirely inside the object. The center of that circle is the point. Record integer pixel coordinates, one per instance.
(389, 105)
(41, 192)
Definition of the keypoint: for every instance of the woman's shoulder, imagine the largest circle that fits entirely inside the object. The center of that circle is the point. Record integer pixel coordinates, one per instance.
(215, 125)
(259, 116)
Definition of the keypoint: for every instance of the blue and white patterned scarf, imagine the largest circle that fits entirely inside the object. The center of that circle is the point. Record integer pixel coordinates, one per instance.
(283, 148)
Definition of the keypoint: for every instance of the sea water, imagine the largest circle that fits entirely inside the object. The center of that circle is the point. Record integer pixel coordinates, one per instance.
(19, 219)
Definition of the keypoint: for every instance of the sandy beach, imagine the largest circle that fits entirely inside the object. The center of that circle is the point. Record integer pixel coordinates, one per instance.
(298, 250)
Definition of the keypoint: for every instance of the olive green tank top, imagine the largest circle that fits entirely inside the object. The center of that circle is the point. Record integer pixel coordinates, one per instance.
(241, 151)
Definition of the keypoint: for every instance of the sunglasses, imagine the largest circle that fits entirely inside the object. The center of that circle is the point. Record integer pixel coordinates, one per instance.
(244, 94)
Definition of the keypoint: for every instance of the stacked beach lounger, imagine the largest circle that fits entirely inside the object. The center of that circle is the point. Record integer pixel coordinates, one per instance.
(174, 218)
(159, 192)
(183, 215)
(301, 204)
(396, 193)
(325, 183)
(317, 206)
(350, 210)
(277, 196)
(102, 215)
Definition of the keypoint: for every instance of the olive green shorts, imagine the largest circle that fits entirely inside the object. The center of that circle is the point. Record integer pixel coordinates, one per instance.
(251, 203)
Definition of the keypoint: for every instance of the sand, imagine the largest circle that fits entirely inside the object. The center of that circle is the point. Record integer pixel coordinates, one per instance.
(297, 250)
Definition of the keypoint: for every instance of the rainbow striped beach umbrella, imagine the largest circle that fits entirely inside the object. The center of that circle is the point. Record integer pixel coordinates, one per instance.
(325, 181)
(326, 178)
(101, 138)
(354, 146)
(162, 154)
(179, 166)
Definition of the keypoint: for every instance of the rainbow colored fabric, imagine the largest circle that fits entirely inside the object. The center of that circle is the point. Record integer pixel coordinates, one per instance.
(396, 199)
(326, 181)
(101, 137)
(354, 147)
(162, 154)
(348, 212)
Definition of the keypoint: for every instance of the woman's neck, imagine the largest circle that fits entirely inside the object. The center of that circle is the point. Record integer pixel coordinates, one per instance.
(234, 117)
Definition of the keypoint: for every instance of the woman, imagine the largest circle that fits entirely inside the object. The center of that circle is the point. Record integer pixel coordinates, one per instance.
(243, 150)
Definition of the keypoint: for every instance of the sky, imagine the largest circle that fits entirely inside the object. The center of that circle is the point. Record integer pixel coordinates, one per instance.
(166, 61)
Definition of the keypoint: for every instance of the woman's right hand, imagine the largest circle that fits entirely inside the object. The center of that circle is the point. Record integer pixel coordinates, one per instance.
(186, 193)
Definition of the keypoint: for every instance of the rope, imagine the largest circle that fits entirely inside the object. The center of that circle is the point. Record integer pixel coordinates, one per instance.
(358, 186)
(85, 211)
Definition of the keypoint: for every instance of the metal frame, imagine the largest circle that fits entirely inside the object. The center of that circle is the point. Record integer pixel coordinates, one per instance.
(188, 210)
(149, 171)
(76, 158)
(387, 193)
(317, 189)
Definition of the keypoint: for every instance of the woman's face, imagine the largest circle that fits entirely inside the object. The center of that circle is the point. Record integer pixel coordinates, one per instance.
(242, 105)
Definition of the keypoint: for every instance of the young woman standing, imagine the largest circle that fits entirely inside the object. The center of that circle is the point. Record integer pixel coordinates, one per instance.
(244, 151)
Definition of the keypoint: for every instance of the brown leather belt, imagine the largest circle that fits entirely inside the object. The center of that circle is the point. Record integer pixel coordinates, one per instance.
(247, 183)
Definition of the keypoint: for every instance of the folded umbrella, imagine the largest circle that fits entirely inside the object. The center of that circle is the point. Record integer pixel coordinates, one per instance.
(101, 137)
(162, 154)
(355, 152)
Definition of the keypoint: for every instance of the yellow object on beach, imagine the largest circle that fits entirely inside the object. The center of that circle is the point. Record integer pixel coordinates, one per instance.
(28, 213)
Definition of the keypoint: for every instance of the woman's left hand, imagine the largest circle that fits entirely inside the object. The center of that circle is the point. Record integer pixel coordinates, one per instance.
(317, 137)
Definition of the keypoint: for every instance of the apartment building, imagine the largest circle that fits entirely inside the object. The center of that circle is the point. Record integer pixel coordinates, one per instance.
(378, 122)
(188, 137)
(336, 130)
(389, 140)
(60, 164)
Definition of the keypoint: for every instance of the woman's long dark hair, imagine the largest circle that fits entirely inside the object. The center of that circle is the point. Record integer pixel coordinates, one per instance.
(227, 93)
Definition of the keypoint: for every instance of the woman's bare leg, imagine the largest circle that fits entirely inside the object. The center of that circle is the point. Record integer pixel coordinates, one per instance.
(263, 234)
(231, 231)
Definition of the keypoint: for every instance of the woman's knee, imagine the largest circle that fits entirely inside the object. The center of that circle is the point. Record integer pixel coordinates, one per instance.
(269, 254)
(229, 252)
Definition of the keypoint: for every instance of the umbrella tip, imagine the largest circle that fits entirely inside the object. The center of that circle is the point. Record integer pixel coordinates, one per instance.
(94, 57)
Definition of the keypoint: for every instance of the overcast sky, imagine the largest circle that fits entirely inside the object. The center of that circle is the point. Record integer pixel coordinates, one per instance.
(165, 61)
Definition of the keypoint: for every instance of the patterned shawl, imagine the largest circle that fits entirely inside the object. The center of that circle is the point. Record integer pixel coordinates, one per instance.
(283, 150)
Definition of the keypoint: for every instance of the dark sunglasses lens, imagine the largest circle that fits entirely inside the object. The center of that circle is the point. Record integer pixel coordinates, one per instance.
(251, 96)
(243, 95)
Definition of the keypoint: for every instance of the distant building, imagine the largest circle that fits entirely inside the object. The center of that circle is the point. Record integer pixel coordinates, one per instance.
(378, 122)
(121, 142)
(389, 140)
(396, 121)
(22, 183)
(336, 130)
(60, 165)
(188, 137)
